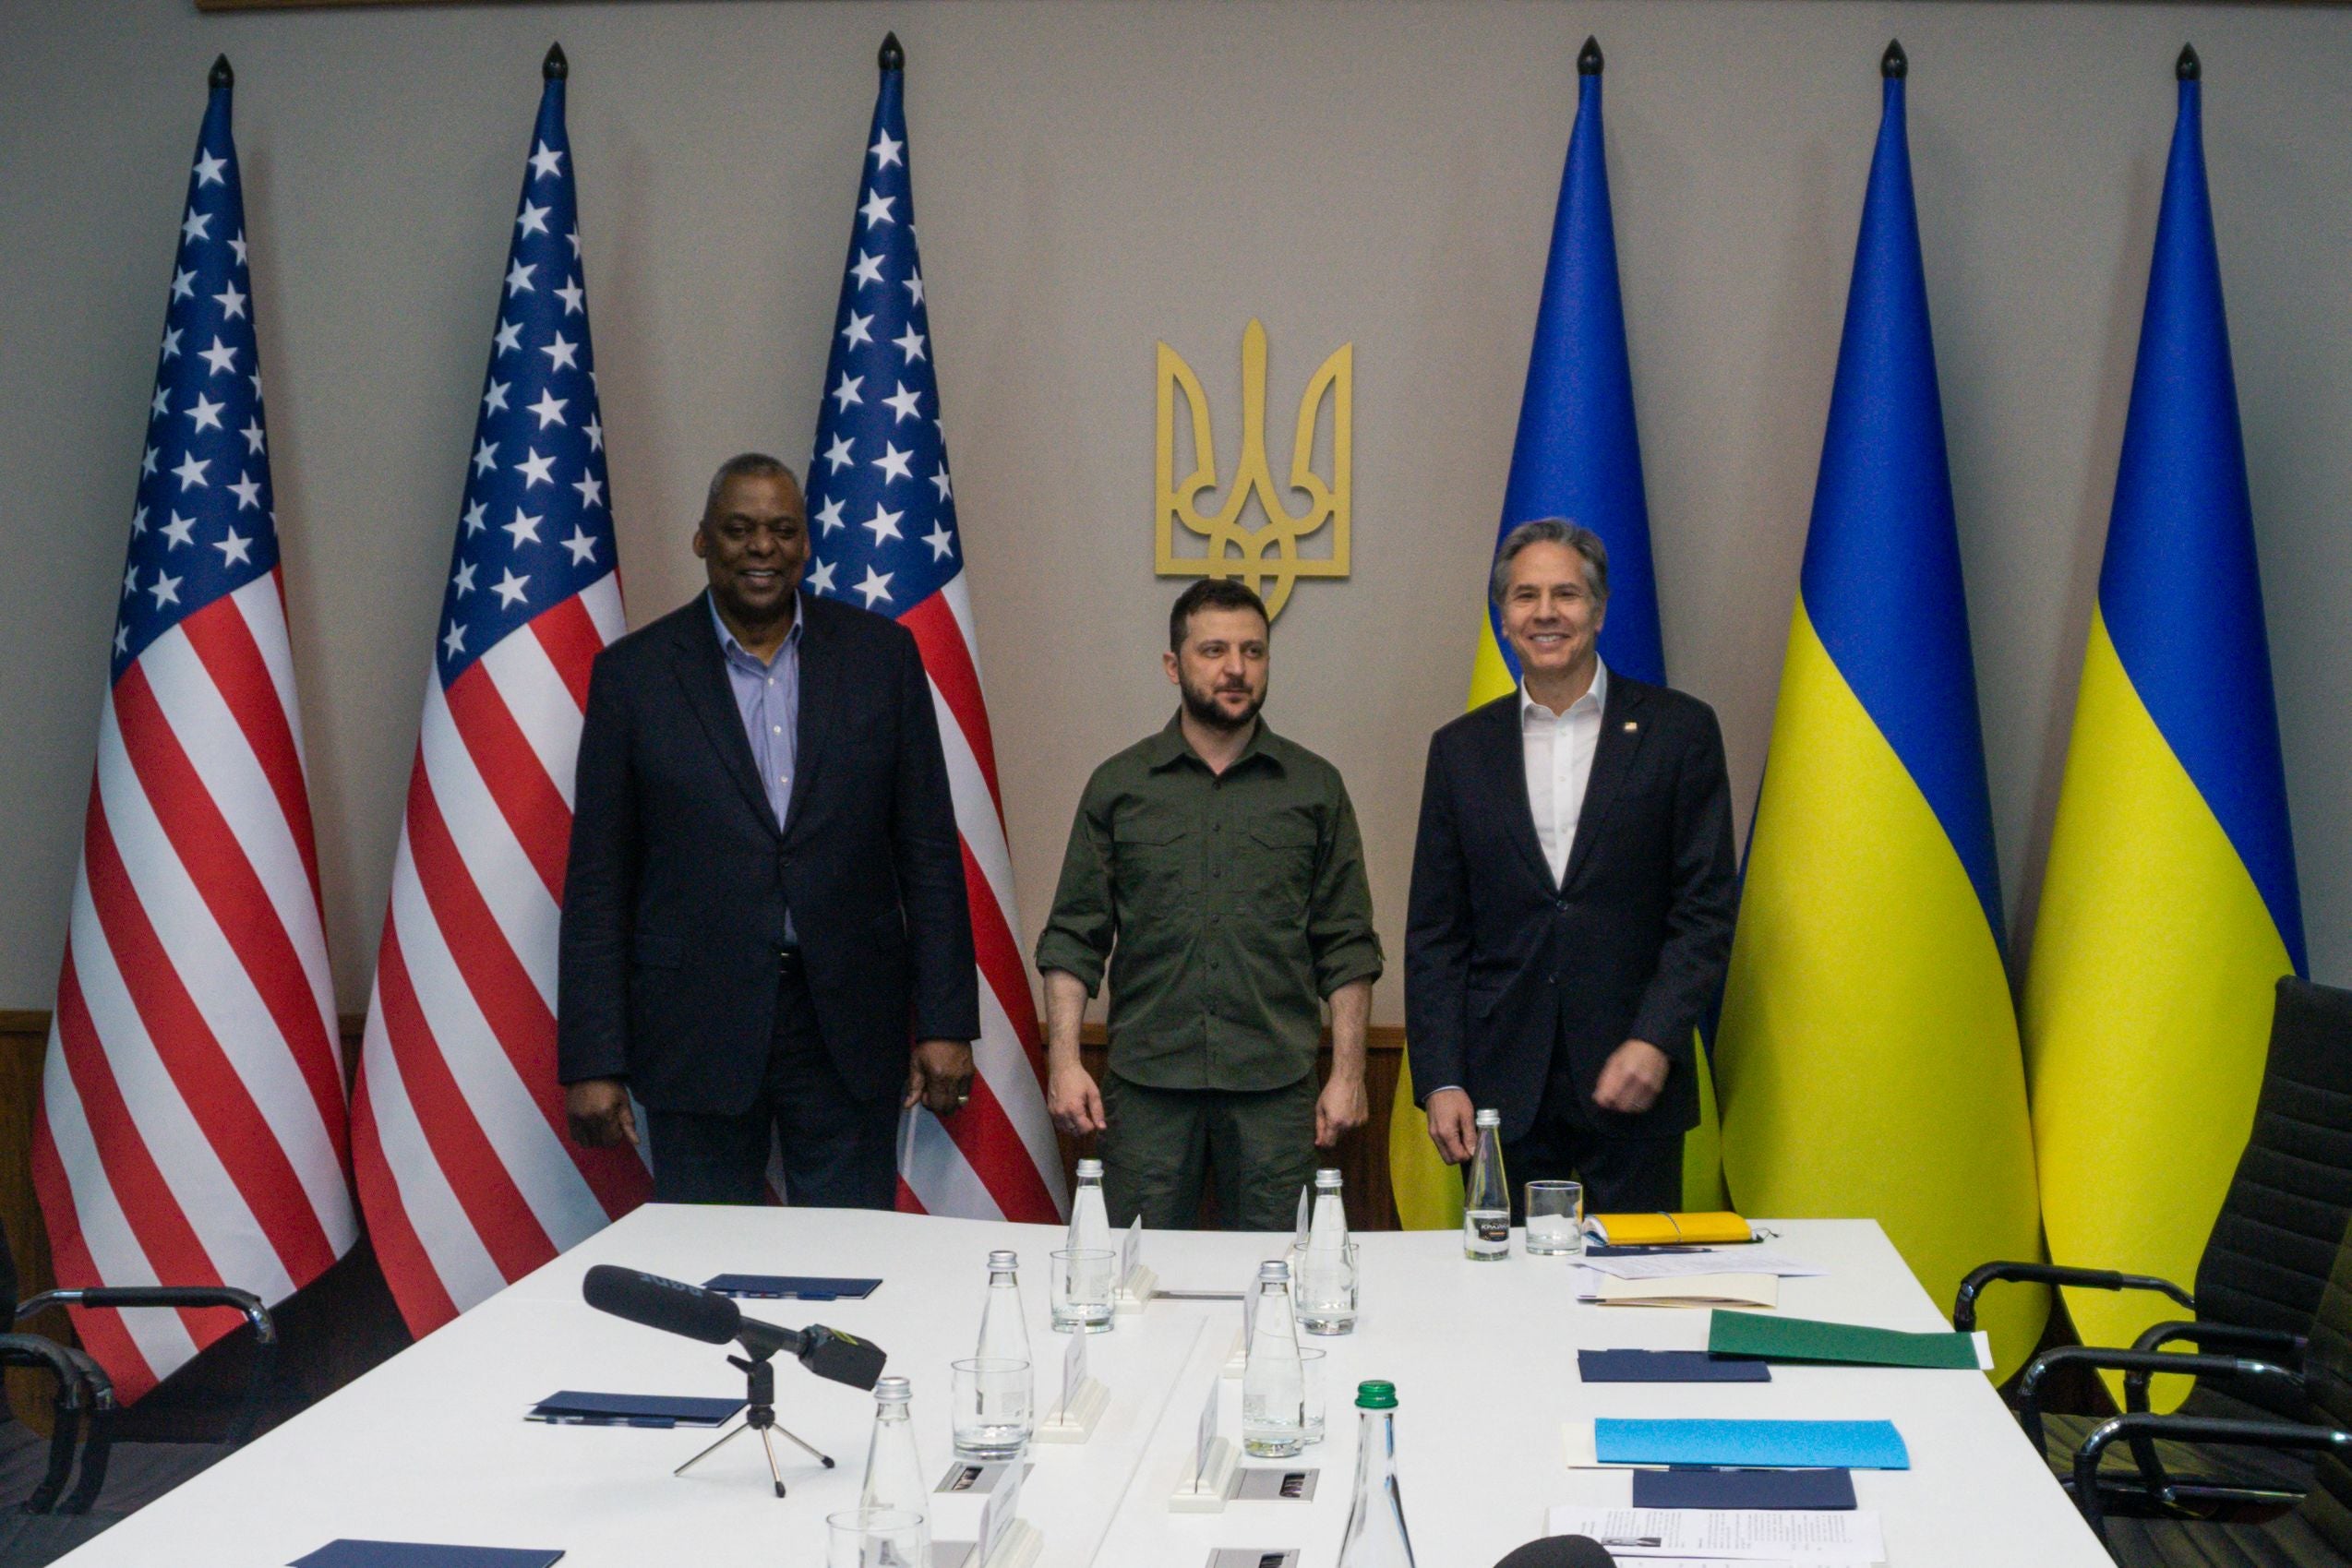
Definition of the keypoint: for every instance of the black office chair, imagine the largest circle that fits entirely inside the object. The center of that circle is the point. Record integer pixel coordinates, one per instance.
(2259, 1284)
(2316, 1533)
(108, 1481)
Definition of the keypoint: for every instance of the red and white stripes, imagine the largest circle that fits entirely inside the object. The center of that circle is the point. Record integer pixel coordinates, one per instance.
(465, 1172)
(192, 1127)
(996, 1158)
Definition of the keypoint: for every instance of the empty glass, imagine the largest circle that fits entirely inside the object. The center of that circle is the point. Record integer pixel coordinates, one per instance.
(1554, 1219)
(1313, 1359)
(993, 1408)
(1082, 1289)
(877, 1537)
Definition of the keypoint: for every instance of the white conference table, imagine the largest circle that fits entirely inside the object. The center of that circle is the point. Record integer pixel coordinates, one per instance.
(432, 1445)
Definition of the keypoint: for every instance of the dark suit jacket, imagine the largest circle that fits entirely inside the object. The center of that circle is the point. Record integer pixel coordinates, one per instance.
(1500, 965)
(674, 904)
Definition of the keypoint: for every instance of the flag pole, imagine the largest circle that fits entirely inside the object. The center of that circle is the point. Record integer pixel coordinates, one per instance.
(891, 57)
(554, 68)
(223, 74)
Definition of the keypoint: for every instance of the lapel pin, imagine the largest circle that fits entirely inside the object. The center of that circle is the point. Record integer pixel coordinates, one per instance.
(1632, 724)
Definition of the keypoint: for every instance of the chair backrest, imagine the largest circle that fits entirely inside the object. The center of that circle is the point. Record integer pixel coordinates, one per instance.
(2327, 1370)
(2277, 1238)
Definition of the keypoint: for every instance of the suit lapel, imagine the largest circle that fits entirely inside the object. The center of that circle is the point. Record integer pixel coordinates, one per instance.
(1622, 729)
(700, 669)
(1505, 752)
(820, 693)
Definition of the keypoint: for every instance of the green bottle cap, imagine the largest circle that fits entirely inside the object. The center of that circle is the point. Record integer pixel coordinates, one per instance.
(1375, 1395)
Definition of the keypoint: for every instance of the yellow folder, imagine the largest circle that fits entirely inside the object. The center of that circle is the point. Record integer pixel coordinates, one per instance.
(1669, 1230)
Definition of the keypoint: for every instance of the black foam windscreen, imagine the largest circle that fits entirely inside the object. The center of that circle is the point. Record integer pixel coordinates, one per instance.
(1559, 1551)
(842, 1358)
(667, 1304)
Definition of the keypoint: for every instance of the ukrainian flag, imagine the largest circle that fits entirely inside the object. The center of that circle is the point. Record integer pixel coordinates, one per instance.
(1578, 456)
(2169, 908)
(1869, 1058)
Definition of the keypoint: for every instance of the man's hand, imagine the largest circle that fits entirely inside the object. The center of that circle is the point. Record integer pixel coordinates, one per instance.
(1453, 1124)
(599, 1111)
(1340, 1109)
(1631, 1078)
(938, 1076)
(1073, 1102)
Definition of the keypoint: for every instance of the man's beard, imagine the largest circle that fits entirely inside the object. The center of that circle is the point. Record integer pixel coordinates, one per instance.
(1202, 705)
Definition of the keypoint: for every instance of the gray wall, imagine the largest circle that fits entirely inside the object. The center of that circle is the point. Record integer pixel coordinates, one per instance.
(1091, 178)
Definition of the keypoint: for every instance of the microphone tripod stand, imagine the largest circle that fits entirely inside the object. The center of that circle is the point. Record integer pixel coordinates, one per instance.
(758, 1415)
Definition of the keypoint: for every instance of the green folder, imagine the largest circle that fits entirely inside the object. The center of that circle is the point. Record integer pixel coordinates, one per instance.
(1777, 1338)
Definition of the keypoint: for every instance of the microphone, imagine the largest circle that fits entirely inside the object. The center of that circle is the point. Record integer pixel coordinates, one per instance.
(675, 1307)
(1559, 1551)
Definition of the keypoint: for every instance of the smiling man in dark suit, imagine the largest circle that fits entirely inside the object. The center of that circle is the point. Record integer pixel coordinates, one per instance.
(765, 899)
(1572, 897)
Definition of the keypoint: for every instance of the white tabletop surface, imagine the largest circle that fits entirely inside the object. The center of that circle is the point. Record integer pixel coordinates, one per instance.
(432, 1445)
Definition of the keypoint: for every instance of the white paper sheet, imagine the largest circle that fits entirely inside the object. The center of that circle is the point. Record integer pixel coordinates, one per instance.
(1727, 1260)
(1809, 1537)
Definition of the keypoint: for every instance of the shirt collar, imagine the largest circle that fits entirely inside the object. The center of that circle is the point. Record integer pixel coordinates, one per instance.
(727, 643)
(1596, 694)
(1169, 746)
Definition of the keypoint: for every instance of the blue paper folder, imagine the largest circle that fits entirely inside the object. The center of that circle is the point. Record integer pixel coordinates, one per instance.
(636, 1409)
(421, 1554)
(1666, 1366)
(790, 1287)
(1742, 1488)
(1817, 1445)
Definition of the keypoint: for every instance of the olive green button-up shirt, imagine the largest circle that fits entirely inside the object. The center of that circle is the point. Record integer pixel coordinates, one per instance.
(1226, 906)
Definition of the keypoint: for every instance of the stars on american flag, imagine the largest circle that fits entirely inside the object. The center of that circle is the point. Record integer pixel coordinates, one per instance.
(536, 526)
(882, 508)
(204, 471)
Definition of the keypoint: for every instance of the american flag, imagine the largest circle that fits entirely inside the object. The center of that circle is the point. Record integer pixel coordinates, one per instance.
(465, 1172)
(881, 510)
(191, 1128)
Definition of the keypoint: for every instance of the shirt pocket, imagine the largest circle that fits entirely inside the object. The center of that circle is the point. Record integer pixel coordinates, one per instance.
(1281, 869)
(1151, 856)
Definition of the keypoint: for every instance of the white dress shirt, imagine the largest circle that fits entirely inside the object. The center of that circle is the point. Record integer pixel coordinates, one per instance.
(1558, 749)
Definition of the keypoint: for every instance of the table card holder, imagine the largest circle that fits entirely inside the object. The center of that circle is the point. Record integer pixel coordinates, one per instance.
(1238, 1358)
(1083, 1400)
(1135, 1281)
(1007, 1540)
(1207, 1475)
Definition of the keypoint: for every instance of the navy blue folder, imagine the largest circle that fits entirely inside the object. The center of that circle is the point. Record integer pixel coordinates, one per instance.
(634, 1409)
(1666, 1366)
(1742, 1488)
(790, 1287)
(420, 1554)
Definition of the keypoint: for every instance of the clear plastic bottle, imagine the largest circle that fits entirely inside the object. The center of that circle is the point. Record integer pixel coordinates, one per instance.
(1089, 1221)
(1486, 1206)
(1004, 1327)
(893, 1469)
(1326, 1281)
(1273, 1386)
(1376, 1536)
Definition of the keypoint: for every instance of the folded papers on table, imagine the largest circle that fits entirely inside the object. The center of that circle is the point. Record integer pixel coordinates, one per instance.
(1666, 1366)
(1642, 1534)
(1854, 1445)
(1808, 1339)
(1690, 1290)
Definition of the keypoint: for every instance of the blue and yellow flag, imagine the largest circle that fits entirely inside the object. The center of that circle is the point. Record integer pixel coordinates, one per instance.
(1869, 1058)
(1578, 456)
(2169, 908)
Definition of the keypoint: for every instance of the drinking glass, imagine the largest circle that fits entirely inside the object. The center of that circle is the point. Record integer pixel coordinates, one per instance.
(1554, 1219)
(993, 1408)
(1313, 1359)
(877, 1537)
(1082, 1289)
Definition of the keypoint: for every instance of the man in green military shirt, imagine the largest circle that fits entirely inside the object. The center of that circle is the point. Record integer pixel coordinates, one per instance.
(1217, 869)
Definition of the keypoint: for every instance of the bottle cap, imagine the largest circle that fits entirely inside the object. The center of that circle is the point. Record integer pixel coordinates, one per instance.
(1489, 1119)
(1326, 1182)
(892, 1391)
(1274, 1271)
(1005, 1260)
(1090, 1168)
(1375, 1395)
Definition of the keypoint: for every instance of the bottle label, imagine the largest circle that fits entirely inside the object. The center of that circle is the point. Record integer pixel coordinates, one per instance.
(1496, 1228)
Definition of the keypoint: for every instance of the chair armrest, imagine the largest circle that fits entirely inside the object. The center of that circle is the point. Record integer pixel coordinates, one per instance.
(44, 1354)
(1963, 1311)
(2140, 1363)
(76, 1396)
(2140, 1427)
(2226, 1337)
(265, 1329)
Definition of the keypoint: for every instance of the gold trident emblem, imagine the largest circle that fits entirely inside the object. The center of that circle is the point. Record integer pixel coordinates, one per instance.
(1267, 558)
